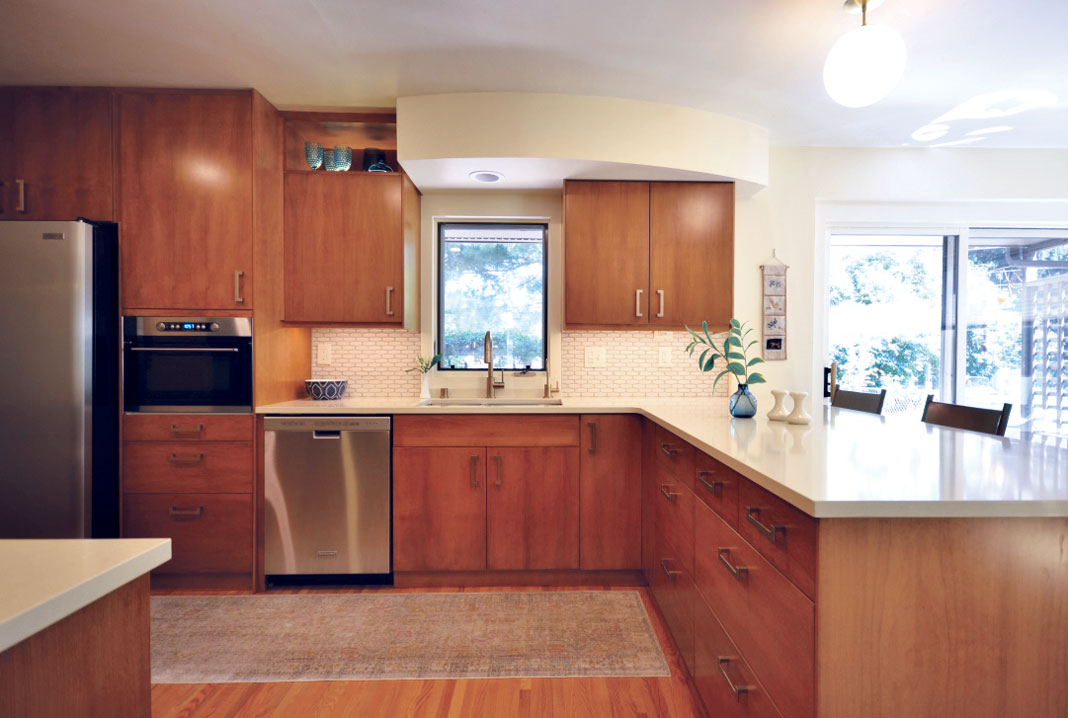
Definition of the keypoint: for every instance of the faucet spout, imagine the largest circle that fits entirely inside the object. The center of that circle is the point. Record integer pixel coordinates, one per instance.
(488, 358)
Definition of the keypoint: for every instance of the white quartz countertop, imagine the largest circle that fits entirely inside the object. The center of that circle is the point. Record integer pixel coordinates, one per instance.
(844, 464)
(44, 581)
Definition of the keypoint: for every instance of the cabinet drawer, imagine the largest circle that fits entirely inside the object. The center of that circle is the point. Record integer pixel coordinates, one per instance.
(221, 467)
(486, 430)
(723, 679)
(717, 485)
(674, 515)
(673, 587)
(188, 427)
(785, 535)
(676, 454)
(769, 619)
(210, 533)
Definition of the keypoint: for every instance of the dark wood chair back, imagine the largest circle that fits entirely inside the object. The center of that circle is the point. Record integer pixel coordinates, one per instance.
(859, 400)
(957, 416)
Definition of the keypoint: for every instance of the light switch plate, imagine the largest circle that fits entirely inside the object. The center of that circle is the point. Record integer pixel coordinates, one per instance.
(665, 356)
(595, 357)
(324, 354)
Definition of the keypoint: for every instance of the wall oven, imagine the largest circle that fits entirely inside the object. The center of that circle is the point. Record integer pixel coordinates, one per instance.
(187, 364)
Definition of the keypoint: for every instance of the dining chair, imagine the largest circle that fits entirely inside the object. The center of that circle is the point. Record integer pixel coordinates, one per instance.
(958, 416)
(859, 400)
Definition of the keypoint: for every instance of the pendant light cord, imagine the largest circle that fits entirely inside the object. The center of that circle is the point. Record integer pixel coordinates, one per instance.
(863, 13)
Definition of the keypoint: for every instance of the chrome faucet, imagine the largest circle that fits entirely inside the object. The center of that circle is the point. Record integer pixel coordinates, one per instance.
(488, 358)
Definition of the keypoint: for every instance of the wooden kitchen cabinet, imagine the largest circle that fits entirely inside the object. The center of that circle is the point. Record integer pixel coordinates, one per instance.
(439, 509)
(610, 504)
(55, 153)
(185, 199)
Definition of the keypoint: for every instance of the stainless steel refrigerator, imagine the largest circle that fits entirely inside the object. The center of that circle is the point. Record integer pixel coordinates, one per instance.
(59, 379)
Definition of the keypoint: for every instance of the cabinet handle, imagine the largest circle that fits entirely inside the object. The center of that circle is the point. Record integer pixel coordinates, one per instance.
(715, 486)
(637, 302)
(21, 206)
(186, 459)
(667, 571)
(661, 293)
(740, 573)
(668, 493)
(474, 471)
(237, 286)
(186, 430)
(1, 197)
(771, 532)
(389, 301)
(593, 436)
(740, 692)
(191, 511)
(497, 459)
(667, 451)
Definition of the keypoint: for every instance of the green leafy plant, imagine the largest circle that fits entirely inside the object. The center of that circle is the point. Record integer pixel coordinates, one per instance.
(734, 353)
(425, 365)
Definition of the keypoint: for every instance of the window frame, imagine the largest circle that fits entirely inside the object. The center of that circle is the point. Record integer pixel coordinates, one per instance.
(439, 338)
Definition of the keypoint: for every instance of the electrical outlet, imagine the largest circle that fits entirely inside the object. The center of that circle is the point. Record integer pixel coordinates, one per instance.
(595, 357)
(324, 354)
(665, 356)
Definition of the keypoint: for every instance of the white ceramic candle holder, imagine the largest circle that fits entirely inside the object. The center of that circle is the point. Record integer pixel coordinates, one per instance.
(798, 415)
(778, 412)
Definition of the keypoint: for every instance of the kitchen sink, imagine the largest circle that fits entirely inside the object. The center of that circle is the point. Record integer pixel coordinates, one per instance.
(477, 401)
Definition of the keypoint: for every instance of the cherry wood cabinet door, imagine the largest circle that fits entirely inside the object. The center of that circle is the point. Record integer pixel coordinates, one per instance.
(185, 199)
(691, 253)
(344, 248)
(439, 509)
(55, 153)
(532, 508)
(611, 485)
(606, 253)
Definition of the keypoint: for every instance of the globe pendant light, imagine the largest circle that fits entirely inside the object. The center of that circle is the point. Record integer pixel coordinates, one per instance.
(865, 64)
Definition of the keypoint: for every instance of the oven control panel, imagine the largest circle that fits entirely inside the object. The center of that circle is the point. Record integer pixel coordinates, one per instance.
(187, 327)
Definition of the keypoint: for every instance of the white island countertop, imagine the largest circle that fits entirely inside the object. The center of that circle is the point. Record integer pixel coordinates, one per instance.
(844, 464)
(43, 581)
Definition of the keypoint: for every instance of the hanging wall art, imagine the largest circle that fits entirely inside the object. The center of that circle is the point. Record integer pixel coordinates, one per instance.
(774, 334)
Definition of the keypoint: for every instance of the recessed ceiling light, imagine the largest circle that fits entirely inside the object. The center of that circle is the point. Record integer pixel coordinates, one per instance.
(486, 176)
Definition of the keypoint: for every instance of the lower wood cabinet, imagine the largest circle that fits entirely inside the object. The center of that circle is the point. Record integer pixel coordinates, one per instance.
(610, 478)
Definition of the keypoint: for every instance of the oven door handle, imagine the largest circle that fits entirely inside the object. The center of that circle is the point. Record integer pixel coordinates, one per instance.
(184, 349)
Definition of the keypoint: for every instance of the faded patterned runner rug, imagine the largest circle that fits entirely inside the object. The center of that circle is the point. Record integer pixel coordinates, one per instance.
(388, 636)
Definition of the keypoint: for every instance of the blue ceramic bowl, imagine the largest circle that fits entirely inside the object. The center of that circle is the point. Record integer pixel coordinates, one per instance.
(320, 389)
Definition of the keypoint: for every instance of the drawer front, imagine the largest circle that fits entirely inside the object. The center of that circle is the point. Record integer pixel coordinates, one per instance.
(210, 533)
(723, 679)
(188, 427)
(675, 454)
(486, 430)
(717, 485)
(785, 535)
(189, 467)
(769, 619)
(674, 515)
(675, 593)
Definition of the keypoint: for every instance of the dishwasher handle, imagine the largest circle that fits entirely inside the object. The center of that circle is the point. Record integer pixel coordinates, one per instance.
(317, 434)
(323, 426)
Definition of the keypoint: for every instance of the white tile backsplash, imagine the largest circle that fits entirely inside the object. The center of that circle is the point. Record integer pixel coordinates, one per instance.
(372, 360)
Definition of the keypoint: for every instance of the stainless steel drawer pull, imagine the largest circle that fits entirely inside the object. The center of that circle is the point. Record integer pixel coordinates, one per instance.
(238, 299)
(740, 692)
(670, 495)
(186, 430)
(186, 459)
(187, 511)
(661, 293)
(740, 573)
(21, 206)
(637, 302)
(715, 486)
(498, 459)
(327, 554)
(771, 532)
(389, 301)
(667, 571)
(474, 471)
(668, 451)
(593, 436)
(184, 349)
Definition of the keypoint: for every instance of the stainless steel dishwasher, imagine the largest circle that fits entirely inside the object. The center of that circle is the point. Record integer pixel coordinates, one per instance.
(327, 491)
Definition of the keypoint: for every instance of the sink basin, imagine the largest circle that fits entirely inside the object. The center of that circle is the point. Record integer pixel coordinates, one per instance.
(477, 401)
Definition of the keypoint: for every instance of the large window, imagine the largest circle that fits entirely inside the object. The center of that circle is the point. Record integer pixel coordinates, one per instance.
(492, 278)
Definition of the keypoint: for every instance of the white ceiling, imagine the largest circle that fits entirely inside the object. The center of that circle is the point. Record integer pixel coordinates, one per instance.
(759, 60)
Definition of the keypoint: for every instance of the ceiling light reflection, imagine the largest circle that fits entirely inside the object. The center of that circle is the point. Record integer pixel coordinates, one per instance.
(990, 130)
(1002, 103)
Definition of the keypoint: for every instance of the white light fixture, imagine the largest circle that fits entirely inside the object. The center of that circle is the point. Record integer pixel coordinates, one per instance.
(486, 176)
(866, 63)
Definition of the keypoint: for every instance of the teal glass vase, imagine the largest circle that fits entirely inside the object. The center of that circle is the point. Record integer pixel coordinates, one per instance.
(743, 403)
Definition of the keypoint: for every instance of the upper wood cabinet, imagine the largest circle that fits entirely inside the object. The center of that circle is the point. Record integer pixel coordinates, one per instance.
(351, 248)
(185, 199)
(55, 153)
(658, 255)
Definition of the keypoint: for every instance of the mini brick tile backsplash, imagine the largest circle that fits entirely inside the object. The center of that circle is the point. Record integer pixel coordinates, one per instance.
(633, 366)
(373, 361)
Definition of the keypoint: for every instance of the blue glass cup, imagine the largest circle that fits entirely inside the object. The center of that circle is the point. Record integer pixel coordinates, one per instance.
(342, 158)
(313, 154)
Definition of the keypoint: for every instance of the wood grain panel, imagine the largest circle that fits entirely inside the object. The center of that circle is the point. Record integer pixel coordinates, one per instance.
(185, 198)
(673, 587)
(57, 140)
(691, 253)
(188, 427)
(93, 663)
(611, 491)
(960, 618)
(532, 508)
(606, 252)
(439, 509)
(411, 202)
(675, 515)
(207, 467)
(793, 550)
(649, 494)
(677, 455)
(486, 430)
(717, 485)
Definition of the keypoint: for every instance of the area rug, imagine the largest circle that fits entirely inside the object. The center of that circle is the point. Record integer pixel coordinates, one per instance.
(380, 636)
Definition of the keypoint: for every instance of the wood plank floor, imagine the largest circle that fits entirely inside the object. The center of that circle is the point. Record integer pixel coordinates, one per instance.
(671, 697)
